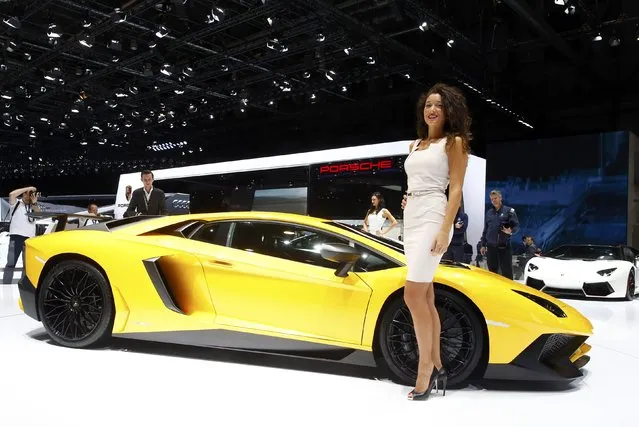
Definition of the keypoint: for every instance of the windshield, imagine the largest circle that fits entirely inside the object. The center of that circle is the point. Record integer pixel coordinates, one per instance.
(585, 252)
(393, 244)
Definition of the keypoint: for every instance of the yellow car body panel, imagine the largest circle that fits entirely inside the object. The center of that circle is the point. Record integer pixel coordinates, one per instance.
(221, 288)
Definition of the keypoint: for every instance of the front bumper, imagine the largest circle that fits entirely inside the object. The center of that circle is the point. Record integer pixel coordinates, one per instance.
(28, 300)
(551, 357)
(592, 289)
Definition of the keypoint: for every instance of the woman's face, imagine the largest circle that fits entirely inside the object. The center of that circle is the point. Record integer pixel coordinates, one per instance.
(434, 111)
(374, 201)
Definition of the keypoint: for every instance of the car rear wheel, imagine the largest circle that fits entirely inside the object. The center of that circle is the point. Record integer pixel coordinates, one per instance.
(630, 287)
(461, 340)
(76, 305)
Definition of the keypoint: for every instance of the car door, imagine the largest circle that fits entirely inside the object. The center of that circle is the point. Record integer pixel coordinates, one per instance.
(272, 278)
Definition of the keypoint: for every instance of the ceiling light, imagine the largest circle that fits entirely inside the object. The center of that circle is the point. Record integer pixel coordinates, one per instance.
(12, 22)
(7, 95)
(179, 91)
(216, 15)
(118, 15)
(87, 41)
(347, 50)
(53, 32)
(597, 38)
(450, 42)
(161, 32)
(166, 69)
(570, 10)
(330, 74)
(86, 23)
(320, 37)
(188, 71)
(370, 60)
(560, 2)
(423, 26)
(614, 41)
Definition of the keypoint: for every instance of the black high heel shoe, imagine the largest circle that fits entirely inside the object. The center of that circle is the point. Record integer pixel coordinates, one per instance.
(413, 395)
(443, 375)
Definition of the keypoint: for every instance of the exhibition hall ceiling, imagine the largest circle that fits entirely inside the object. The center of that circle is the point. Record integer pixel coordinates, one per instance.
(207, 78)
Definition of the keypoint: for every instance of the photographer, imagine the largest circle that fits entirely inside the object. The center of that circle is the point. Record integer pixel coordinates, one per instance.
(21, 227)
(500, 224)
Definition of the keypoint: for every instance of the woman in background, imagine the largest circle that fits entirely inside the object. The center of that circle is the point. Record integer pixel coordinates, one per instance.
(437, 160)
(377, 215)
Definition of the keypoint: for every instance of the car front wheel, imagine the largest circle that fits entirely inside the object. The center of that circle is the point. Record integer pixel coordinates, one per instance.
(461, 340)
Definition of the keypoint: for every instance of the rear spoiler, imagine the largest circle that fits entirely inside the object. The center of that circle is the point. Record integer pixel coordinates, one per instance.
(106, 223)
(63, 217)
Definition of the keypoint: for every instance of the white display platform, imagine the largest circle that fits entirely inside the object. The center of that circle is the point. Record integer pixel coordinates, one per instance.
(154, 385)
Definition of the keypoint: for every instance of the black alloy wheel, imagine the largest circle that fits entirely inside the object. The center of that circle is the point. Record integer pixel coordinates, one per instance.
(630, 286)
(76, 305)
(461, 340)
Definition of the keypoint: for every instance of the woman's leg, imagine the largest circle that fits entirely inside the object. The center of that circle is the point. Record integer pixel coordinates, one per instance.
(437, 328)
(415, 296)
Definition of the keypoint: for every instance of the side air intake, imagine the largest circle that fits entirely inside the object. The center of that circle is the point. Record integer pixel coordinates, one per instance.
(161, 286)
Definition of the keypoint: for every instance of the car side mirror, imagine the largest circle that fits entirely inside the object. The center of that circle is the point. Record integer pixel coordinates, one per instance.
(346, 256)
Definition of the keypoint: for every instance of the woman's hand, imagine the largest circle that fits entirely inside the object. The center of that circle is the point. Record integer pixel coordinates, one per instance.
(404, 201)
(441, 244)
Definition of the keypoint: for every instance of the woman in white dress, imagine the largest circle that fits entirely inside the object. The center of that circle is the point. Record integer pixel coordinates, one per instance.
(437, 160)
(377, 215)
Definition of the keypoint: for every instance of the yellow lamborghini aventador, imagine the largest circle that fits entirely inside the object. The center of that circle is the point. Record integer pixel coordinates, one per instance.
(288, 284)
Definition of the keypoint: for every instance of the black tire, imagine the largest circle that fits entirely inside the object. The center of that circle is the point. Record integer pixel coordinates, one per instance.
(76, 305)
(630, 287)
(462, 339)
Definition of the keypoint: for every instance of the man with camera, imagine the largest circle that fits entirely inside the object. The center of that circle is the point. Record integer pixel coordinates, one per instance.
(21, 227)
(500, 224)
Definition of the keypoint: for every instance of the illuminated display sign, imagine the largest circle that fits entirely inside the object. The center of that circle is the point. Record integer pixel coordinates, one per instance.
(375, 165)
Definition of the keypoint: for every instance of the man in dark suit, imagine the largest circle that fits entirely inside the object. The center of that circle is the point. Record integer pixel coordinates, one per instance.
(148, 200)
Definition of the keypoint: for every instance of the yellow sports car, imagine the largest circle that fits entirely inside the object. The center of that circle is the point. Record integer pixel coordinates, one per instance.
(288, 284)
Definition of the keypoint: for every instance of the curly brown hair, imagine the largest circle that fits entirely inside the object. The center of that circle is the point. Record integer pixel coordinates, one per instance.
(458, 119)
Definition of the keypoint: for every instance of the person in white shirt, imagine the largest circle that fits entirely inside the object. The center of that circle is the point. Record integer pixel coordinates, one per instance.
(377, 215)
(21, 227)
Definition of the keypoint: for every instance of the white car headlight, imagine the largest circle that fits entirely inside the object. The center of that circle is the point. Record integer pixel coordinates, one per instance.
(606, 272)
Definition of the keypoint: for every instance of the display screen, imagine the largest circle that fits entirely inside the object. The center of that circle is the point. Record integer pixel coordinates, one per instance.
(232, 192)
(290, 200)
(564, 190)
(342, 190)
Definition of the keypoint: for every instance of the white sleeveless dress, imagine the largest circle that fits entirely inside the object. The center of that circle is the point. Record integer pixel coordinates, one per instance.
(427, 175)
(376, 221)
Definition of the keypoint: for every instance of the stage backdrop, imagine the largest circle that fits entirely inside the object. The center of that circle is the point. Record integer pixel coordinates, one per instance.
(565, 190)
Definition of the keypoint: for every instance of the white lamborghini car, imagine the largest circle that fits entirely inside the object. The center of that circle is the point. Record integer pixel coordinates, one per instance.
(591, 271)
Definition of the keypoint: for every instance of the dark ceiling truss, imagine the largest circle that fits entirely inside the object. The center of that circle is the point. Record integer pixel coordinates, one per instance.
(270, 93)
(187, 39)
(105, 25)
(342, 51)
(438, 67)
(275, 96)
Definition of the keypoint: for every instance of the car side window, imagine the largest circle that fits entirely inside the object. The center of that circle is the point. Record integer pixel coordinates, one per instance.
(213, 233)
(370, 261)
(286, 241)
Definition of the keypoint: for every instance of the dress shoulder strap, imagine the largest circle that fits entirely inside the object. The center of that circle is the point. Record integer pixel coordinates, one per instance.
(415, 145)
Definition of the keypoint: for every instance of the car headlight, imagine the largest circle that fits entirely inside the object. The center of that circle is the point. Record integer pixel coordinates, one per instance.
(548, 305)
(532, 267)
(606, 272)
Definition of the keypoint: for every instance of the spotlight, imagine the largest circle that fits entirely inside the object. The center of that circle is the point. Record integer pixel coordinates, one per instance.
(161, 32)
(12, 22)
(423, 26)
(53, 32)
